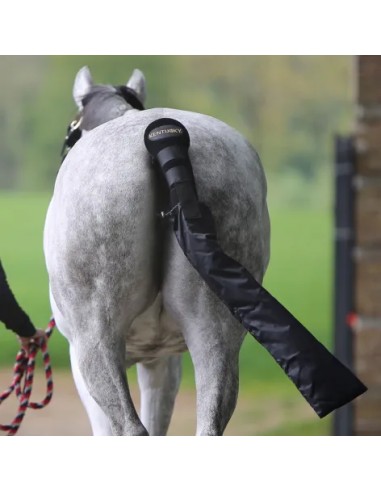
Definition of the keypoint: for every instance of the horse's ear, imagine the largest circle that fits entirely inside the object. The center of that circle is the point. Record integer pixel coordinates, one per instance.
(82, 85)
(137, 82)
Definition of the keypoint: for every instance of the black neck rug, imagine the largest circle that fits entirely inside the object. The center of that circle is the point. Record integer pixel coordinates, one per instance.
(320, 377)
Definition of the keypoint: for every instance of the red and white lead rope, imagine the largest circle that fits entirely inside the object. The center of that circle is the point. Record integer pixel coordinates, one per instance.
(25, 364)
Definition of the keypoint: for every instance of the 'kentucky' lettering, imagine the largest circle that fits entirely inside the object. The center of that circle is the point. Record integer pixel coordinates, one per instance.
(153, 134)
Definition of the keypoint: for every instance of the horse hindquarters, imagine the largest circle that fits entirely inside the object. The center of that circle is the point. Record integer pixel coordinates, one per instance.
(101, 271)
(96, 330)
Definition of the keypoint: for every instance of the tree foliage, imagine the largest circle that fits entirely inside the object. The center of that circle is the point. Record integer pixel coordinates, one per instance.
(288, 107)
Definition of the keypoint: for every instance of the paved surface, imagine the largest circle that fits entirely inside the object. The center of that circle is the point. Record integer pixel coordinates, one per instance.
(65, 416)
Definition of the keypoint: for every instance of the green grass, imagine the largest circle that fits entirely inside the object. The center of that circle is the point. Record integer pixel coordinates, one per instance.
(299, 275)
(21, 223)
(310, 427)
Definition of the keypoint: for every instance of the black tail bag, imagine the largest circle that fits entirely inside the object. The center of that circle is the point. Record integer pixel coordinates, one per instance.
(321, 378)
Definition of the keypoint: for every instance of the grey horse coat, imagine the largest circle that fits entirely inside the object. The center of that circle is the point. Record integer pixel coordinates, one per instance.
(122, 291)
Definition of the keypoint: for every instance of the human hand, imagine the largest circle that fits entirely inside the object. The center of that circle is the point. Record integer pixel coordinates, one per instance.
(35, 339)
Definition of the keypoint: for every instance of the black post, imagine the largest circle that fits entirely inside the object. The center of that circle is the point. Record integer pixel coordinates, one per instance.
(344, 268)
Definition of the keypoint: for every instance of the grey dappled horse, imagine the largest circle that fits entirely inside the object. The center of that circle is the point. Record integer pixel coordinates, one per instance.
(122, 292)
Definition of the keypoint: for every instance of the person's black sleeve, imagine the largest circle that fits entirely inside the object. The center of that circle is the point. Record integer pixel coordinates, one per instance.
(11, 314)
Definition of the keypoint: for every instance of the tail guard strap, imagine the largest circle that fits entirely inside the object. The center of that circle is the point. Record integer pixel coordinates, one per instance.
(321, 378)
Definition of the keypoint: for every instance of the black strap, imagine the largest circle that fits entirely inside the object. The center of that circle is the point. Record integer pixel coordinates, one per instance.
(72, 137)
(130, 96)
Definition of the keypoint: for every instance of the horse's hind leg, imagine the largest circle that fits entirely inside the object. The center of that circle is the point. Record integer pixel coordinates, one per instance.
(101, 363)
(99, 422)
(214, 345)
(214, 339)
(159, 382)
(216, 374)
(214, 342)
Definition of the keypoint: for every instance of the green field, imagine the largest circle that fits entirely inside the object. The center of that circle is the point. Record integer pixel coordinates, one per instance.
(300, 276)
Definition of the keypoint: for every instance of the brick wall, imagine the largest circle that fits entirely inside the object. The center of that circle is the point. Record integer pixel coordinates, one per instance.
(367, 332)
